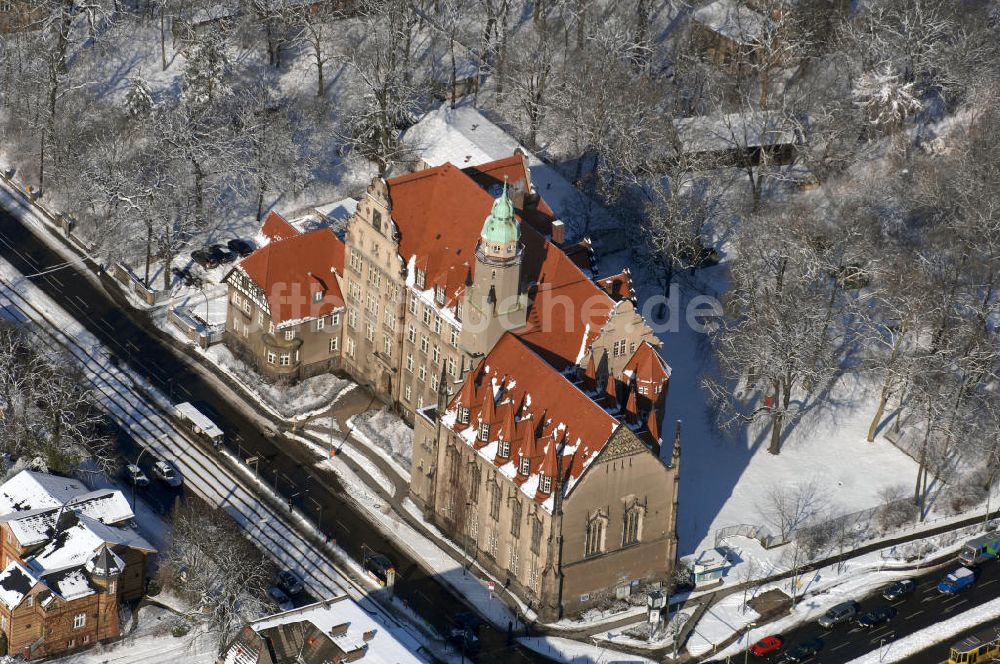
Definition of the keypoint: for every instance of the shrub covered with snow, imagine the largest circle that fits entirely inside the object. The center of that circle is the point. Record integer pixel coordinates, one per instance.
(391, 434)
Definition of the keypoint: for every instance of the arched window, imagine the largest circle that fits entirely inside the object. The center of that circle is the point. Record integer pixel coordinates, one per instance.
(632, 529)
(596, 527)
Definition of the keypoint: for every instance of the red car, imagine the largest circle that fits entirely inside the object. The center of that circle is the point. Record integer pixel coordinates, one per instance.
(768, 645)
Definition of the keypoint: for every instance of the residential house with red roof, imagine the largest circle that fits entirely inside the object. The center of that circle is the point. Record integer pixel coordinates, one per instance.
(285, 303)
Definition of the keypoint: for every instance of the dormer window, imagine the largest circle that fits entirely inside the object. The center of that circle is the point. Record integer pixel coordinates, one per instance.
(504, 449)
(484, 431)
(318, 296)
(463, 414)
(421, 279)
(439, 294)
(496, 248)
(525, 466)
(545, 484)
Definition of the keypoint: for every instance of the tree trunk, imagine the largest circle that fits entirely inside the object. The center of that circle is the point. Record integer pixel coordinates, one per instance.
(454, 73)
(199, 195)
(776, 424)
(163, 39)
(149, 252)
(880, 411)
(320, 81)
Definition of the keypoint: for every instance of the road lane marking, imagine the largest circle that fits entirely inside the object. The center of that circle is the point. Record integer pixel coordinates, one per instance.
(81, 301)
(914, 615)
(902, 601)
(341, 524)
(842, 645)
(986, 583)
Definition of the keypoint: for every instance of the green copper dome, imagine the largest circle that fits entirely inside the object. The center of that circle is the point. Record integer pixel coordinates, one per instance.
(501, 226)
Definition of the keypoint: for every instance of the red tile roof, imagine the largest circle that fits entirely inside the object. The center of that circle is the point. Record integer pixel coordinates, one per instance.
(618, 286)
(275, 227)
(646, 366)
(291, 270)
(555, 416)
(440, 212)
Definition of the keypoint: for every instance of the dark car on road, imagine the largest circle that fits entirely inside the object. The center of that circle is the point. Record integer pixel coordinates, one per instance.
(134, 475)
(900, 589)
(464, 633)
(240, 247)
(877, 616)
(803, 651)
(767, 646)
(289, 582)
(204, 258)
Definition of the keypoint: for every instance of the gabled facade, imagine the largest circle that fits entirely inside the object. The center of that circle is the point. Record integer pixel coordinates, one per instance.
(564, 497)
(69, 562)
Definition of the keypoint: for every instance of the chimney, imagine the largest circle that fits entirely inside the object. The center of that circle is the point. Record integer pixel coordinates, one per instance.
(369, 635)
(558, 232)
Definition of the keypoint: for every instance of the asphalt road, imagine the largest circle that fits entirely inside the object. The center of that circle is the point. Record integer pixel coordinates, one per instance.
(131, 338)
(921, 609)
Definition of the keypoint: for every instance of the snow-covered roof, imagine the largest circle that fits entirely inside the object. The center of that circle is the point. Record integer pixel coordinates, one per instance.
(15, 583)
(713, 133)
(347, 625)
(337, 211)
(732, 20)
(464, 137)
(30, 490)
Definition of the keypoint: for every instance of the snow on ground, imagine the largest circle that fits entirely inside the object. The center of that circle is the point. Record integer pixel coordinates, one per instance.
(574, 652)
(387, 434)
(939, 633)
(151, 643)
(297, 401)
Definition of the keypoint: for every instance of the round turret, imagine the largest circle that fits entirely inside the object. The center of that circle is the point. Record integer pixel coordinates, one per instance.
(500, 239)
(105, 564)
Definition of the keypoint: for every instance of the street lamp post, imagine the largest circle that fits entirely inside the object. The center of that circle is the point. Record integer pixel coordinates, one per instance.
(881, 654)
(746, 652)
(141, 452)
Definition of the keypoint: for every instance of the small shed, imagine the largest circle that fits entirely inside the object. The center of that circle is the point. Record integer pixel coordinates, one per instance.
(709, 566)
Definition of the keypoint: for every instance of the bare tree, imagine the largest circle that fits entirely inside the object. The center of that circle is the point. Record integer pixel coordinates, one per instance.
(790, 507)
(215, 567)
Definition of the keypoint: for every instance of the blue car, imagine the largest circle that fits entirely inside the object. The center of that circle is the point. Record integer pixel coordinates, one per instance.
(957, 581)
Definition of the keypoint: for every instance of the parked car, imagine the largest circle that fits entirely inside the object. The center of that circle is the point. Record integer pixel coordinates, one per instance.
(877, 616)
(133, 475)
(464, 633)
(768, 645)
(900, 589)
(841, 613)
(204, 258)
(166, 473)
(240, 247)
(957, 581)
(289, 582)
(280, 598)
(803, 651)
(221, 254)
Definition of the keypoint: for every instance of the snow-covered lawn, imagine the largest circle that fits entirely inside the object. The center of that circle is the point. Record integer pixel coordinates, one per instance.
(386, 434)
(296, 401)
(574, 652)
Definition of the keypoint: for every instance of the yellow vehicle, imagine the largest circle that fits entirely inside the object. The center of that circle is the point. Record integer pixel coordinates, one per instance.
(979, 647)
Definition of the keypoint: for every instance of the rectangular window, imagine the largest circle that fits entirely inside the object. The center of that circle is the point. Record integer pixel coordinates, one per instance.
(536, 536)
(389, 318)
(270, 327)
(512, 562)
(435, 381)
(421, 279)
(494, 543)
(286, 359)
(503, 450)
(352, 318)
(335, 318)
(619, 348)
(260, 318)
(413, 303)
(369, 332)
(318, 296)
(545, 484)
(515, 519)
(356, 262)
(436, 356)
(334, 344)
(533, 576)
(421, 373)
(411, 333)
(372, 304)
(524, 466)
(236, 299)
(409, 361)
(420, 401)
(350, 347)
(451, 364)
(354, 290)
(495, 492)
(475, 479)
(423, 343)
(374, 277)
(454, 337)
(387, 346)
(437, 325)
(79, 620)
(407, 392)
(247, 307)
(484, 431)
(428, 314)
(271, 357)
(439, 294)
(289, 335)
(321, 322)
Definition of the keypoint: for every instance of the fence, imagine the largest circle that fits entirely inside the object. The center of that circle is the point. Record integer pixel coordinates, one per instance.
(131, 282)
(197, 332)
